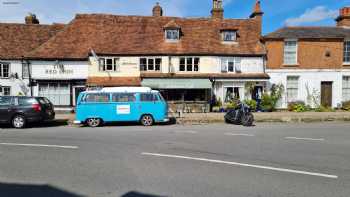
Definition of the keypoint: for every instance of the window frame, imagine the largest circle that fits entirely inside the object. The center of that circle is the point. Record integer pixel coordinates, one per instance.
(174, 32)
(26, 66)
(237, 64)
(2, 90)
(285, 51)
(290, 87)
(226, 32)
(346, 52)
(125, 94)
(102, 64)
(147, 64)
(2, 64)
(347, 88)
(192, 63)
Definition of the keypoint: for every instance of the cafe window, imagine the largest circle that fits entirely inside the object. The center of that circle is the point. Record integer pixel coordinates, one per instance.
(109, 64)
(5, 91)
(123, 97)
(189, 64)
(4, 70)
(150, 64)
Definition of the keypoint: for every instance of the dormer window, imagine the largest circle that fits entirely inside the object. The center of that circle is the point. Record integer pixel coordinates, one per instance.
(229, 35)
(172, 35)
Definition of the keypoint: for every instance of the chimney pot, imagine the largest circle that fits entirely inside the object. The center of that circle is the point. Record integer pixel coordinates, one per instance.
(31, 19)
(157, 10)
(343, 19)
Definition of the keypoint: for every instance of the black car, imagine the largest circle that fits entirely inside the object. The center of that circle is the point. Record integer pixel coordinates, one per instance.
(20, 110)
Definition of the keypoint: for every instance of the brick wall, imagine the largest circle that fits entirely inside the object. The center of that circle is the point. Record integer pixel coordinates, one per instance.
(312, 54)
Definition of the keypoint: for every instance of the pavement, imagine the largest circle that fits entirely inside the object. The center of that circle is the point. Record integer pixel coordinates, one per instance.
(268, 160)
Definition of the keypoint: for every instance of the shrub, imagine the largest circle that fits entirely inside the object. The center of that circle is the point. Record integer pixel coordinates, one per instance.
(233, 104)
(251, 103)
(322, 108)
(346, 105)
(298, 106)
(267, 102)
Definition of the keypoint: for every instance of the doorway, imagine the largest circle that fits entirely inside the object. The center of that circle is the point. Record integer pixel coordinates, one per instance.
(326, 93)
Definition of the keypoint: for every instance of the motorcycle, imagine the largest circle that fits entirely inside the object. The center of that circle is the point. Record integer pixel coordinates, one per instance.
(241, 115)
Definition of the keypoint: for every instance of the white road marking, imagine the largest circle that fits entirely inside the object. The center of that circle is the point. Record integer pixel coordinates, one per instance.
(310, 139)
(40, 145)
(240, 134)
(243, 164)
(186, 131)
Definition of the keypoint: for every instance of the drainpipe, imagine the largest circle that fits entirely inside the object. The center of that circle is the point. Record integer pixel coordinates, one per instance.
(29, 74)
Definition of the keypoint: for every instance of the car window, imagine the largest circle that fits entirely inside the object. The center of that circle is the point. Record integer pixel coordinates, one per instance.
(5, 100)
(97, 98)
(44, 101)
(25, 101)
(123, 97)
(149, 97)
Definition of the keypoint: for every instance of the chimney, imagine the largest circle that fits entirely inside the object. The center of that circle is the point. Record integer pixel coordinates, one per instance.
(257, 15)
(217, 12)
(343, 19)
(31, 19)
(157, 10)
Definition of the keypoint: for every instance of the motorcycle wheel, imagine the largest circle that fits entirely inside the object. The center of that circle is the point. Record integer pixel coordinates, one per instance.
(247, 120)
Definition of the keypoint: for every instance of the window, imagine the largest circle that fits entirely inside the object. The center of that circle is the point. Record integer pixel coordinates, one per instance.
(58, 93)
(290, 52)
(292, 88)
(150, 64)
(109, 64)
(229, 36)
(347, 52)
(231, 65)
(231, 93)
(149, 97)
(172, 34)
(123, 97)
(5, 91)
(5, 100)
(189, 64)
(25, 70)
(25, 101)
(4, 70)
(346, 88)
(97, 98)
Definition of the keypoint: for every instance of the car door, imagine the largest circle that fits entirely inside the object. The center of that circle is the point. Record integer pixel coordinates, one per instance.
(123, 107)
(6, 108)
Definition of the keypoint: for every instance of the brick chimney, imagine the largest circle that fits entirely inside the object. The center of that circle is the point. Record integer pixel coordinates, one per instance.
(257, 14)
(31, 19)
(157, 10)
(217, 12)
(343, 19)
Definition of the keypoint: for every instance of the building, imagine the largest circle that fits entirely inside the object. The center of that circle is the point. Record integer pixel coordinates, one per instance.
(16, 40)
(187, 59)
(313, 63)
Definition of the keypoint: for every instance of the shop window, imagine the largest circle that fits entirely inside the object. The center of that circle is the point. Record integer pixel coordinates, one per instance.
(4, 70)
(150, 64)
(292, 88)
(189, 64)
(5, 91)
(231, 93)
(123, 97)
(346, 88)
(109, 64)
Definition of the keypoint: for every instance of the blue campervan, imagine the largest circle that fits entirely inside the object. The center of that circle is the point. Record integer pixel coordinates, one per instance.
(121, 104)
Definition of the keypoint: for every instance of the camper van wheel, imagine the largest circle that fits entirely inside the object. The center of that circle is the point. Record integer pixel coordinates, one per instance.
(93, 122)
(147, 120)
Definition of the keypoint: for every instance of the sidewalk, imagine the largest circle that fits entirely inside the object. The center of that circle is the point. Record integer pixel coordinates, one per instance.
(287, 117)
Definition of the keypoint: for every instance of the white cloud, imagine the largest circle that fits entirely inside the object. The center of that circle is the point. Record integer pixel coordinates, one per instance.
(226, 2)
(316, 14)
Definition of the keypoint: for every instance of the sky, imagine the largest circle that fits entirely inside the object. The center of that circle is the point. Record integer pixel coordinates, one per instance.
(278, 13)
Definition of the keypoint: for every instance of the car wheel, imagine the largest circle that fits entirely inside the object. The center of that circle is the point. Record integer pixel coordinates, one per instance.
(93, 122)
(147, 120)
(19, 122)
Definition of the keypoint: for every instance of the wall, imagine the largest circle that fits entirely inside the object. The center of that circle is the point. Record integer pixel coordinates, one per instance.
(19, 85)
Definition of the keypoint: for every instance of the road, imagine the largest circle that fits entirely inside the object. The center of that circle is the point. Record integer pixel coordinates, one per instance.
(268, 160)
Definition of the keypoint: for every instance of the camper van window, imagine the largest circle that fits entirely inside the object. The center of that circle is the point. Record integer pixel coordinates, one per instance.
(97, 98)
(123, 97)
(149, 97)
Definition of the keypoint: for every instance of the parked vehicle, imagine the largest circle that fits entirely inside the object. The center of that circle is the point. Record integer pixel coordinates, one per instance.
(240, 115)
(20, 110)
(124, 104)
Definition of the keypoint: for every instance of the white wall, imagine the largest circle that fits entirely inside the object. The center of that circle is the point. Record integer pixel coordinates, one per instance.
(310, 79)
(18, 86)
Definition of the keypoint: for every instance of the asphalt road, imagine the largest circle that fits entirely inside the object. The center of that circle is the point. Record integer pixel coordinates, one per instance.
(269, 160)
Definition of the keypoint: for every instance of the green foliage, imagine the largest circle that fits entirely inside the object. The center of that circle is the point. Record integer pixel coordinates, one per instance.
(233, 104)
(298, 106)
(251, 103)
(269, 101)
(322, 108)
(346, 105)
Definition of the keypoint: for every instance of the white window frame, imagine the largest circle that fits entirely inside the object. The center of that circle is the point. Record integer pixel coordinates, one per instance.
(237, 64)
(286, 50)
(292, 98)
(224, 33)
(2, 64)
(346, 88)
(154, 64)
(175, 35)
(193, 65)
(26, 69)
(346, 52)
(2, 90)
(102, 64)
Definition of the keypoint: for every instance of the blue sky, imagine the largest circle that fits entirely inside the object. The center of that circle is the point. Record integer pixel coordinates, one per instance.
(278, 13)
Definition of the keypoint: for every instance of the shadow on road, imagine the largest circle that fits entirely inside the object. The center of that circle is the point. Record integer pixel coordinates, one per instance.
(137, 194)
(20, 190)
(54, 123)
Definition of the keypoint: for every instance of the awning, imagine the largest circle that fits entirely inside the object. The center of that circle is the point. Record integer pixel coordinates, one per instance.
(177, 83)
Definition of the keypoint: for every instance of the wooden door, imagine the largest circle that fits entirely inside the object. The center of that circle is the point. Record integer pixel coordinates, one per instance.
(326, 93)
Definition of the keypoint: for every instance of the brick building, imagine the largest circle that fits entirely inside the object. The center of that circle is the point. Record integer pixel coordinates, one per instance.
(312, 62)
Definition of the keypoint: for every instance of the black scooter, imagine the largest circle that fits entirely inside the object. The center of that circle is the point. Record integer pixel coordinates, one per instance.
(242, 115)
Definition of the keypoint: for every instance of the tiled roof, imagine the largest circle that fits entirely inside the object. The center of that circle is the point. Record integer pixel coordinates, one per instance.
(18, 39)
(309, 32)
(144, 35)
